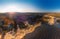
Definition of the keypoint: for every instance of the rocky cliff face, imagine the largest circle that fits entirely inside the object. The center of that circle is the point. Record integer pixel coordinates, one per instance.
(20, 32)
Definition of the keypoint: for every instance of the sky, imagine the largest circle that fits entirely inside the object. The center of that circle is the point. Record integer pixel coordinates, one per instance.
(30, 5)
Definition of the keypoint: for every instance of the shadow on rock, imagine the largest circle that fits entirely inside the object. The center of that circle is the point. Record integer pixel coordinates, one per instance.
(42, 32)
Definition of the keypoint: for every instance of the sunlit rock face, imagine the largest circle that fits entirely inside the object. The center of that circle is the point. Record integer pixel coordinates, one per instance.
(30, 29)
(49, 19)
(21, 33)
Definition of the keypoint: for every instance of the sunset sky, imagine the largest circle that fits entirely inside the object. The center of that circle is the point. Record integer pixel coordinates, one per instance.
(29, 5)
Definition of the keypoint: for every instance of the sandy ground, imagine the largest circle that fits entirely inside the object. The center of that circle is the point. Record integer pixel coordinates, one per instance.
(20, 33)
